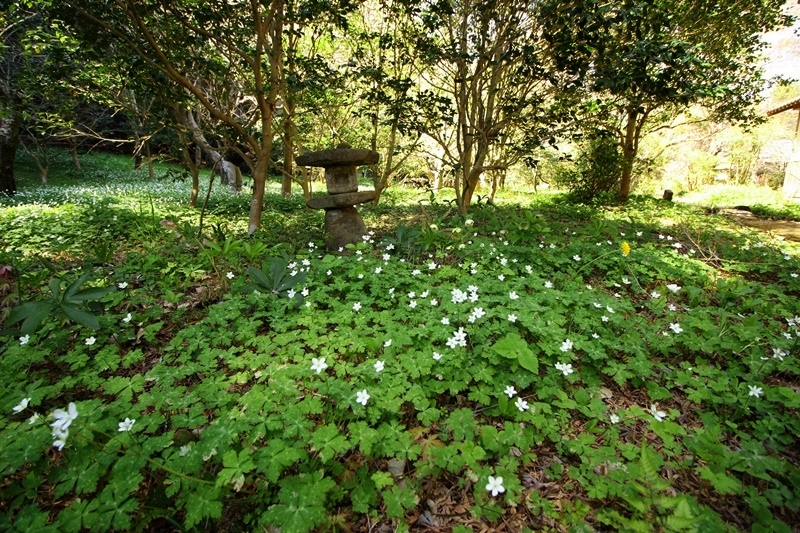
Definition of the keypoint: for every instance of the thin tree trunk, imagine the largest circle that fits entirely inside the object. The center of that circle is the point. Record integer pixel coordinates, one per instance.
(149, 154)
(261, 169)
(9, 142)
(73, 148)
(630, 147)
(288, 147)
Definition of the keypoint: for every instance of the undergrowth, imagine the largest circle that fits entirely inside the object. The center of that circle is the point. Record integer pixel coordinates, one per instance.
(542, 366)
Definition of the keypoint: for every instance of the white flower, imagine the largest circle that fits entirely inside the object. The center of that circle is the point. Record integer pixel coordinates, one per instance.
(512, 317)
(416, 272)
(378, 366)
(90, 341)
(614, 418)
(521, 404)
(127, 318)
(445, 321)
(304, 292)
(124, 284)
(548, 284)
(469, 222)
(510, 391)
(655, 294)
(566, 368)
(755, 391)
(626, 281)
(501, 277)
(431, 266)
(495, 485)
(378, 270)
(778, 354)
(357, 306)
(24, 340)
(64, 418)
(328, 272)
(21, 405)
(477, 312)
(362, 397)
(433, 227)
(412, 295)
(33, 419)
(673, 287)
(412, 304)
(609, 309)
(436, 356)
(60, 438)
(126, 424)
(458, 296)
(658, 415)
(576, 257)
(318, 364)
(390, 246)
(291, 293)
(676, 327)
(387, 343)
(386, 257)
(672, 307)
(604, 318)
(434, 302)
(566, 345)
(513, 295)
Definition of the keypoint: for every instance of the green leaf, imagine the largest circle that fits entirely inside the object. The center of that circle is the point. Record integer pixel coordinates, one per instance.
(260, 279)
(722, 482)
(32, 313)
(204, 502)
(512, 346)
(74, 286)
(93, 293)
(78, 316)
(382, 479)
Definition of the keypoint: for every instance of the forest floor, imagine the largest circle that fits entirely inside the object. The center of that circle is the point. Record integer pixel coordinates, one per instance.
(535, 365)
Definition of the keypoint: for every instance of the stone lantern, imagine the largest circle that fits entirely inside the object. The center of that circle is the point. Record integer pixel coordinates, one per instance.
(343, 224)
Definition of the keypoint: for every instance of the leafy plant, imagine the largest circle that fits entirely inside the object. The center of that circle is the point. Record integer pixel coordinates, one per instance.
(76, 303)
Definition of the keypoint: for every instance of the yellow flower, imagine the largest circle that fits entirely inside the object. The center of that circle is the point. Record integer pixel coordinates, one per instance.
(626, 248)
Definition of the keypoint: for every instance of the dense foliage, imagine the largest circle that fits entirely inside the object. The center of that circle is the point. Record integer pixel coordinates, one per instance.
(535, 365)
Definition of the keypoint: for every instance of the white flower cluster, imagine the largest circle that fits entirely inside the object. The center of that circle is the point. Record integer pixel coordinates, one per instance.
(459, 338)
(60, 426)
(477, 312)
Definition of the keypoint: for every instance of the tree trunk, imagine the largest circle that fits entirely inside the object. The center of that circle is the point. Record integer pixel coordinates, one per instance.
(150, 169)
(288, 148)
(9, 142)
(259, 185)
(229, 173)
(73, 148)
(630, 146)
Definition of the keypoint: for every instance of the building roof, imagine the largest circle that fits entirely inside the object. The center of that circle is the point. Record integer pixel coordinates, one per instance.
(791, 104)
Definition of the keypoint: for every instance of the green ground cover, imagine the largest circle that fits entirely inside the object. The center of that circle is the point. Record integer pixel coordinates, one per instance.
(536, 365)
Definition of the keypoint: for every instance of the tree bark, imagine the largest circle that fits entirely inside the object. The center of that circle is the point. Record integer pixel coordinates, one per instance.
(630, 147)
(228, 172)
(288, 147)
(9, 142)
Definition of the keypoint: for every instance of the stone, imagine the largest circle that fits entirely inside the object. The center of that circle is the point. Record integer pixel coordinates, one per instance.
(340, 180)
(339, 157)
(341, 200)
(343, 226)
